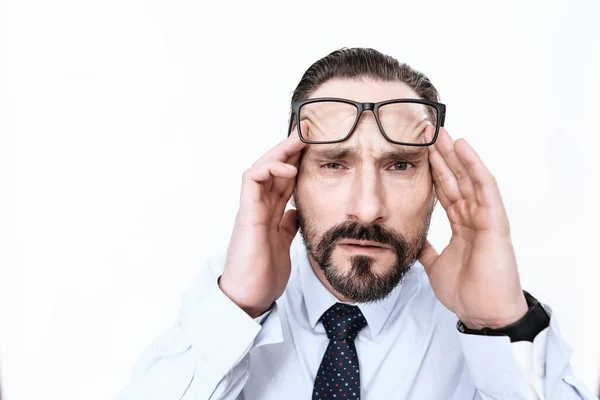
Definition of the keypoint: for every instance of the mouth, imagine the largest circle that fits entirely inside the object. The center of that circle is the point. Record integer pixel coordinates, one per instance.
(362, 246)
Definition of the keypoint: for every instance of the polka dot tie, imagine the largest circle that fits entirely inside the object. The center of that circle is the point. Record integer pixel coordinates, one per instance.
(338, 376)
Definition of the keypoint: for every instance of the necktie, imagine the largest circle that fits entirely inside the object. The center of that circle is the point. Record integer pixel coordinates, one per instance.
(338, 376)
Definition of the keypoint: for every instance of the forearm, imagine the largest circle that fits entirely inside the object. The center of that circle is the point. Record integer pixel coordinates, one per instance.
(522, 370)
(181, 377)
(205, 355)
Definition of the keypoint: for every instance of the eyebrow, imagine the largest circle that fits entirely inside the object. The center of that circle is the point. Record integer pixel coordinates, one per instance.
(338, 153)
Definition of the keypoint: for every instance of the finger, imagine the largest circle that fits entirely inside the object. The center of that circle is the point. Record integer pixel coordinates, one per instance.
(437, 189)
(428, 256)
(439, 193)
(486, 187)
(279, 209)
(289, 225)
(259, 179)
(287, 193)
(289, 190)
(280, 185)
(294, 159)
(446, 147)
(284, 150)
(446, 181)
(266, 172)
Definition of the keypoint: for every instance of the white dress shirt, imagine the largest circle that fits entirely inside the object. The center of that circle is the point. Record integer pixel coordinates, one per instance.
(410, 349)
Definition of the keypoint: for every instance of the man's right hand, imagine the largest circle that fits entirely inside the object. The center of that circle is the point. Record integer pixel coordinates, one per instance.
(258, 265)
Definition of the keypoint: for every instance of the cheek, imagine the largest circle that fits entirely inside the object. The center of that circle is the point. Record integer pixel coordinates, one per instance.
(321, 197)
(322, 201)
(408, 203)
(415, 184)
(411, 181)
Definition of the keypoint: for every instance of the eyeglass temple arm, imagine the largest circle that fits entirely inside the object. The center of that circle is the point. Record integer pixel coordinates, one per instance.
(291, 123)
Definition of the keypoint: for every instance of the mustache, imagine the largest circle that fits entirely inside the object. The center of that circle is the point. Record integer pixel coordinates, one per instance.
(374, 233)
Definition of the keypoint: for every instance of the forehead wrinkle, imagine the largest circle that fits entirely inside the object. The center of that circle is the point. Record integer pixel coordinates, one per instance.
(395, 152)
(379, 148)
(333, 152)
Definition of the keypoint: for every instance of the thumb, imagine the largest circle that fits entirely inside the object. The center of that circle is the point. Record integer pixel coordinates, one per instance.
(428, 255)
(289, 226)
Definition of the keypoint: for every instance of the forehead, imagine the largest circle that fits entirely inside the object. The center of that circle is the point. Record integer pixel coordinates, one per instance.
(364, 90)
(370, 139)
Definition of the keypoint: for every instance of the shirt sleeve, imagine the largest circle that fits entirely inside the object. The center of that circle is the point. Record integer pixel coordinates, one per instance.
(204, 356)
(537, 370)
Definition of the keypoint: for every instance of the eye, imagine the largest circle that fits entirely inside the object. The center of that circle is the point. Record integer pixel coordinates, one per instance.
(401, 166)
(333, 165)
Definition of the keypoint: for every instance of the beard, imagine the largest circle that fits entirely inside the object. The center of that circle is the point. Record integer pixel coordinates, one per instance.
(360, 283)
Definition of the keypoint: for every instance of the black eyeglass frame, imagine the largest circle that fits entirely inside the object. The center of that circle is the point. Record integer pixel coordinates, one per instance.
(361, 107)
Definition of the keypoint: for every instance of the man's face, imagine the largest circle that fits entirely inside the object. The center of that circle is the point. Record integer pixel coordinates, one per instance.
(364, 205)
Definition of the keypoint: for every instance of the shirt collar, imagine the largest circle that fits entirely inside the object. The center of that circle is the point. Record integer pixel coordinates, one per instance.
(318, 299)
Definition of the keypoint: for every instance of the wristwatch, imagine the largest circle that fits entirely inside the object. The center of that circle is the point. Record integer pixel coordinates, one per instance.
(525, 329)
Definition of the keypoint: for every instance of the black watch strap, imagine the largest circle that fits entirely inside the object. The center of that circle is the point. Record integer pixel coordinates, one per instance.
(525, 329)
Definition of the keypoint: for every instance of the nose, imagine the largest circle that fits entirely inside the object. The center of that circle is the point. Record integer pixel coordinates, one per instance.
(367, 202)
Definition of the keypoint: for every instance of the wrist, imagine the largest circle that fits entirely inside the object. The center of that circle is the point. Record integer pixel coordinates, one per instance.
(508, 317)
(526, 328)
(254, 308)
(495, 323)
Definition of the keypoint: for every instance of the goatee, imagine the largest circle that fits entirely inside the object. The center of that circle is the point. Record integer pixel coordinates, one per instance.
(361, 284)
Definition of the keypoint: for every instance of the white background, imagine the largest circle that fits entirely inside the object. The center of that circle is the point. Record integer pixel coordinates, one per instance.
(125, 126)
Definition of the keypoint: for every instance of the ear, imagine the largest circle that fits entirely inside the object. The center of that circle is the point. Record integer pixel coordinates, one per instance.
(293, 200)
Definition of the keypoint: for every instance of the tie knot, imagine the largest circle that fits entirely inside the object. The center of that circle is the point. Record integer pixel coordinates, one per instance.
(343, 321)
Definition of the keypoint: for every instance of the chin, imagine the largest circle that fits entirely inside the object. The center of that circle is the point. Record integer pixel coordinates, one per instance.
(378, 265)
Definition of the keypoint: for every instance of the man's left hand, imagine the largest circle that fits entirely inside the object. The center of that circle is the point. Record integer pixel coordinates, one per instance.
(476, 275)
